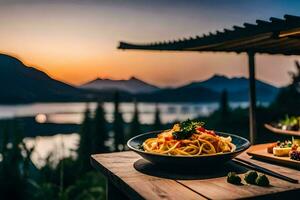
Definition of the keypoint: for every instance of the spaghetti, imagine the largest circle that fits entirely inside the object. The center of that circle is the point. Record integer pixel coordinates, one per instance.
(188, 138)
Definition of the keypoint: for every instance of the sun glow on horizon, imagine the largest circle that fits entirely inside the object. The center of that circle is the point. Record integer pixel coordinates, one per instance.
(76, 43)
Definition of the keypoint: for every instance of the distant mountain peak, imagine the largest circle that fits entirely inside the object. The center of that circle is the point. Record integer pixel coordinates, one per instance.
(218, 76)
(132, 85)
(236, 86)
(224, 77)
(133, 78)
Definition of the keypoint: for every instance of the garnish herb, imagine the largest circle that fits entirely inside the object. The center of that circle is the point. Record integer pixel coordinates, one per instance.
(187, 128)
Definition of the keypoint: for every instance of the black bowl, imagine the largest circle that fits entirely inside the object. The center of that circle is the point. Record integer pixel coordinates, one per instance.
(187, 161)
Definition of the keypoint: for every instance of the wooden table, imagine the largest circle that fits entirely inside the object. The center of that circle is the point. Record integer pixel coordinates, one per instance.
(125, 182)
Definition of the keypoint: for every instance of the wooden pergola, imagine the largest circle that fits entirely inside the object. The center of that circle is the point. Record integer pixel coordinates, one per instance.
(277, 36)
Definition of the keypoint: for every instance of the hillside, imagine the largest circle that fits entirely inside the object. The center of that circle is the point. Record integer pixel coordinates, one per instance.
(210, 91)
(181, 94)
(23, 84)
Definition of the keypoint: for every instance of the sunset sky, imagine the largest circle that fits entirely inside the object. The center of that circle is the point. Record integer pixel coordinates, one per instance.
(76, 41)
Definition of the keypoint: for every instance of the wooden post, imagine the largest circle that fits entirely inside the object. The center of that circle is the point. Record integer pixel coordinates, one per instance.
(252, 97)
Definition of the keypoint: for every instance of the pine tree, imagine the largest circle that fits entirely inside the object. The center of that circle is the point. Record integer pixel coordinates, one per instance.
(157, 122)
(224, 106)
(296, 77)
(4, 137)
(100, 133)
(118, 125)
(85, 144)
(135, 126)
(11, 166)
(16, 156)
(289, 97)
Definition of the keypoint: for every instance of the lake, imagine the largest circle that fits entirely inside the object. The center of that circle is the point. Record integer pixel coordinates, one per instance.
(72, 112)
(63, 145)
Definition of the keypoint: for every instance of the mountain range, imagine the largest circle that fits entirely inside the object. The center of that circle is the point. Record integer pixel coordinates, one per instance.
(23, 84)
(199, 91)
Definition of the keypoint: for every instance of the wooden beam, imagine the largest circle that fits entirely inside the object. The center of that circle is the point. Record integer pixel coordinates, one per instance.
(252, 97)
(281, 48)
(261, 44)
(290, 32)
(230, 43)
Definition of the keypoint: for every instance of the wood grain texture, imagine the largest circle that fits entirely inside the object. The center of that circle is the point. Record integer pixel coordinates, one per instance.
(118, 168)
(218, 188)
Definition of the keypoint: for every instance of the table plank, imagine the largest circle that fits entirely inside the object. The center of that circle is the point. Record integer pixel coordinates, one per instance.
(218, 188)
(118, 168)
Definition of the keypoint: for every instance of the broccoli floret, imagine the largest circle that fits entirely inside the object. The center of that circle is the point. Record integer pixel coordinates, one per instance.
(250, 177)
(233, 178)
(262, 180)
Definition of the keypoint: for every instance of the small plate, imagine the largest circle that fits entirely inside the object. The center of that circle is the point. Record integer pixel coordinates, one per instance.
(188, 161)
(280, 131)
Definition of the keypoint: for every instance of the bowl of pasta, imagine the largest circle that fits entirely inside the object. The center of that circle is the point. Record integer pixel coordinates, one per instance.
(188, 144)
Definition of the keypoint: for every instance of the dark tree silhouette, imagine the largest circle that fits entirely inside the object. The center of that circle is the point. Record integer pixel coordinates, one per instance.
(288, 98)
(135, 127)
(20, 179)
(296, 77)
(85, 145)
(224, 106)
(12, 174)
(118, 125)
(4, 137)
(100, 133)
(157, 122)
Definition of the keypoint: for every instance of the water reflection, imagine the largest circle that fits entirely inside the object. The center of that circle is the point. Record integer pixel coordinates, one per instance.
(61, 145)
